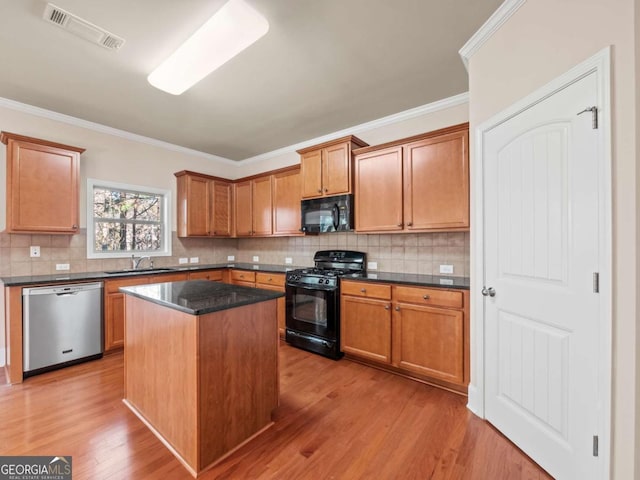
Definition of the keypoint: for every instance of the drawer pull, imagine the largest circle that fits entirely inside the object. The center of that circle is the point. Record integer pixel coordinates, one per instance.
(270, 279)
(397, 309)
(426, 297)
(363, 290)
(387, 307)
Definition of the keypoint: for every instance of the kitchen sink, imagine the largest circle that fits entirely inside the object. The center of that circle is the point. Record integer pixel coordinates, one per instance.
(133, 271)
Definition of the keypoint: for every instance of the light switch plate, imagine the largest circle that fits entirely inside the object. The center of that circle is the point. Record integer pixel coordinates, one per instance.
(62, 266)
(183, 260)
(256, 258)
(231, 258)
(194, 260)
(446, 268)
(34, 251)
(372, 265)
(288, 260)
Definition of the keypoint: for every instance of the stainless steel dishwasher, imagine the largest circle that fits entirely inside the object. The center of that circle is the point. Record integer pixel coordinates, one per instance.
(62, 325)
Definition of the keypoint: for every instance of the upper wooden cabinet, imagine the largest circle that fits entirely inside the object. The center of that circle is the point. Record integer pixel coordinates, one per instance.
(204, 205)
(286, 202)
(253, 207)
(414, 185)
(43, 185)
(326, 168)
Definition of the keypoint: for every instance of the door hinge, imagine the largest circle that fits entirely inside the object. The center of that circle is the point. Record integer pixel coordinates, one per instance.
(595, 445)
(596, 282)
(594, 116)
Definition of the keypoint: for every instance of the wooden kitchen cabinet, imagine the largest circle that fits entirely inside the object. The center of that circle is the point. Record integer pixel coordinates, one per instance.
(211, 275)
(417, 184)
(114, 304)
(43, 185)
(253, 207)
(415, 331)
(286, 202)
(326, 169)
(275, 282)
(204, 205)
(242, 277)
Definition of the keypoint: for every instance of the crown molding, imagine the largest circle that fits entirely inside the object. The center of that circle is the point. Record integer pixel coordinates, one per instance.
(363, 127)
(491, 26)
(97, 127)
(443, 104)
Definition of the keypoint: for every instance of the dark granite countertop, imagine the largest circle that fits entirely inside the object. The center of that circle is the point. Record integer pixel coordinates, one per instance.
(415, 279)
(198, 297)
(85, 276)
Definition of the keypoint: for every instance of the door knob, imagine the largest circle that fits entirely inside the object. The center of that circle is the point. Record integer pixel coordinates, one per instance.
(488, 292)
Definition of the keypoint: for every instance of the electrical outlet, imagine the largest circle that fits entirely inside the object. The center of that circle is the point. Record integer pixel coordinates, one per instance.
(256, 258)
(62, 266)
(446, 268)
(183, 260)
(446, 281)
(372, 265)
(34, 252)
(194, 260)
(231, 258)
(288, 260)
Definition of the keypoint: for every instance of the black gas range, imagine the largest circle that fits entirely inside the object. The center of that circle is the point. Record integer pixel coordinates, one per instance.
(313, 300)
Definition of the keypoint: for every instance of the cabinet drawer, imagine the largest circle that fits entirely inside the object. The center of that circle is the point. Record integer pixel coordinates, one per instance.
(112, 286)
(367, 290)
(211, 275)
(428, 296)
(242, 276)
(270, 279)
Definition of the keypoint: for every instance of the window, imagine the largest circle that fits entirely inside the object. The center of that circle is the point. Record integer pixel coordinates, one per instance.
(125, 220)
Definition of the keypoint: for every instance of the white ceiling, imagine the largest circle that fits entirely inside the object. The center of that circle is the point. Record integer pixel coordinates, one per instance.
(324, 65)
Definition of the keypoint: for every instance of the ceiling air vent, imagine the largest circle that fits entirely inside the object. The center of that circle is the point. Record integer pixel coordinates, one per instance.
(81, 28)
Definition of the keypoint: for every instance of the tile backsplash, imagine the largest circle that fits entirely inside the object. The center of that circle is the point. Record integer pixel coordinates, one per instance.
(409, 253)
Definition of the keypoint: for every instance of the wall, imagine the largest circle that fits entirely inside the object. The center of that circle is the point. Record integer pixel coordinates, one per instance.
(542, 40)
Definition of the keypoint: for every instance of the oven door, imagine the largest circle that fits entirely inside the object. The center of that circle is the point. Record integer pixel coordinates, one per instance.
(312, 310)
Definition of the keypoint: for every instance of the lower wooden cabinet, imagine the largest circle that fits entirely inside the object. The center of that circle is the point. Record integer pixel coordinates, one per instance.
(114, 305)
(275, 282)
(420, 332)
(211, 275)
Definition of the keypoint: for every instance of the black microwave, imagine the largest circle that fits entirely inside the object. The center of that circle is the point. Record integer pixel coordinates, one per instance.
(328, 214)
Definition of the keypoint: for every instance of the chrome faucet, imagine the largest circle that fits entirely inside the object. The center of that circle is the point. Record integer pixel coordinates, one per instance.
(135, 262)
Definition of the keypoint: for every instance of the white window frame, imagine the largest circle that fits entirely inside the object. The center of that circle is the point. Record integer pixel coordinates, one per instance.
(166, 219)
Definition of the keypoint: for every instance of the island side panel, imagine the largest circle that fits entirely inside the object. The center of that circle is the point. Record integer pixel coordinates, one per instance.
(161, 372)
(238, 376)
(13, 334)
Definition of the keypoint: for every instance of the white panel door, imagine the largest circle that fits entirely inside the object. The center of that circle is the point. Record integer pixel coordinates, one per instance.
(540, 254)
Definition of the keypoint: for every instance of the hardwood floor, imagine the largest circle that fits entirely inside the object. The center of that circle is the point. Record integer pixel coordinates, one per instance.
(336, 420)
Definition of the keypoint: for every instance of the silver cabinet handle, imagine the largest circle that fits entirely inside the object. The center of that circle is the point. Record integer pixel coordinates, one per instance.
(488, 292)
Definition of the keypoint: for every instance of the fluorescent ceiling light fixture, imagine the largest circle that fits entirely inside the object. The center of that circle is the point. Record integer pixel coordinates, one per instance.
(232, 29)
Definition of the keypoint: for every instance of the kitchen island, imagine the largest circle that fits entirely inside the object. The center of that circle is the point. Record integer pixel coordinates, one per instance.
(201, 365)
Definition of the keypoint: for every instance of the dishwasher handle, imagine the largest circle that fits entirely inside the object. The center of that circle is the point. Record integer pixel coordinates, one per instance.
(62, 290)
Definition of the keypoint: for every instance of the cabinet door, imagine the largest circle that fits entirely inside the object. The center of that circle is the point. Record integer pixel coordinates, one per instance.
(429, 341)
(336, 169)
(262, 206)
(365, 329)
(280, 305)
(114, 321)
(221, 209)
(436, 173)
(42, 188)
(197, 206)
(243, 215)
(286, 203)
(311, 174)
(378, 191)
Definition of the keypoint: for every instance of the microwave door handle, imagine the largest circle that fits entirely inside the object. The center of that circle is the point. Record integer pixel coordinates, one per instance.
(335, 215)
